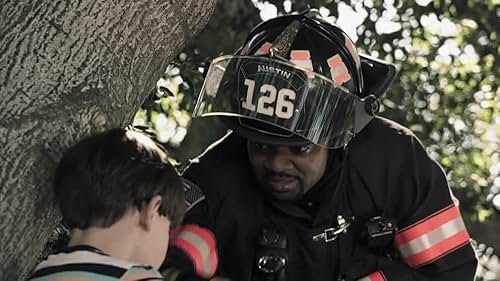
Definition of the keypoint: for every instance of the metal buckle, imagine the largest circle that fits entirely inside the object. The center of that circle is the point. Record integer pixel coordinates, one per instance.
(332, 233)
(271, 263)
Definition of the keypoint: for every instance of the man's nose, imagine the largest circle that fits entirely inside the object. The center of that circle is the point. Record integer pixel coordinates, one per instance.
(279, 161)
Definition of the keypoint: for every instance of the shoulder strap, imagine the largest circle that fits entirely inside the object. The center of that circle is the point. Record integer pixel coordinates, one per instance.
(193, 193)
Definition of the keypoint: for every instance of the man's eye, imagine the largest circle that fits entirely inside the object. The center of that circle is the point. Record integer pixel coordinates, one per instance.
(261, 147)
(302, 149)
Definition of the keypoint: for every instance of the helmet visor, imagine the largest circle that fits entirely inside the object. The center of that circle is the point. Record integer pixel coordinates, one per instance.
(278, 95)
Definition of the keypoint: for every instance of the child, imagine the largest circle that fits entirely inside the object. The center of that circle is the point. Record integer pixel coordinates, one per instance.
(120, 197)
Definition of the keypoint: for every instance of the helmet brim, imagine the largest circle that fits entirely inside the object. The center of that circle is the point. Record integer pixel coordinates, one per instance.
(378, 75)
(238, 126)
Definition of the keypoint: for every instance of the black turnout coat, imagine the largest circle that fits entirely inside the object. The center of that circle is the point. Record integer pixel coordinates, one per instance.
(384, 171)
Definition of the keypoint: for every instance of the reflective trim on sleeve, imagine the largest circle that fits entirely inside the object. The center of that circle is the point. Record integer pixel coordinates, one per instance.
(432, 237)
(199, 244)
(375, 276)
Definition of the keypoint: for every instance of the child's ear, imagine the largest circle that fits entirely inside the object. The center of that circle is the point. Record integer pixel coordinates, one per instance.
(148, 212)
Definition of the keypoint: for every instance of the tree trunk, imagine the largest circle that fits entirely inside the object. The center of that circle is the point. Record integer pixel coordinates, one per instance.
(69, 69)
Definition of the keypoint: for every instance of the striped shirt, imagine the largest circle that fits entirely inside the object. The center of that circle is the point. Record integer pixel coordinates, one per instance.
(86, 263)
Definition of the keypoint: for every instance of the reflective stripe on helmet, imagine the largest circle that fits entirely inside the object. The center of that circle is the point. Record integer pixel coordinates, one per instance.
(338, 70)
(264, 49)
(302, 58)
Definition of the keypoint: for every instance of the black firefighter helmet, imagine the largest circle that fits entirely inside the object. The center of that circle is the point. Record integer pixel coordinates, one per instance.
(296, 80)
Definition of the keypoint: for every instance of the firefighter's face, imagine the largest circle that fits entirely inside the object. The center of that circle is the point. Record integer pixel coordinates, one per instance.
(287, 172)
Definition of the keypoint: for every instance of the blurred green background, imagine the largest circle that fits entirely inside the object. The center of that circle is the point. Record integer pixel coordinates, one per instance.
(447, 54)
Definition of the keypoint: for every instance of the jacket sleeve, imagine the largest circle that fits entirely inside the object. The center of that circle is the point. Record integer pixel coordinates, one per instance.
(192, 252)
(408, 186)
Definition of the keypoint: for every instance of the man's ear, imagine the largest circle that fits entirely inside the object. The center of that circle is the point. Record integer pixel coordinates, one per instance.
(150, 210)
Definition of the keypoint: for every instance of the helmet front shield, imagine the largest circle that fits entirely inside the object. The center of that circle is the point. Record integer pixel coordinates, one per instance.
(283, 96)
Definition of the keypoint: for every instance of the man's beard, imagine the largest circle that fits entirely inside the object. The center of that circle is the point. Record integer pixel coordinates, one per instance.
(294, 193)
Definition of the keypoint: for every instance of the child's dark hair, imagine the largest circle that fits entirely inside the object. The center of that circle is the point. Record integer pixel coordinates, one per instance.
(103, 176)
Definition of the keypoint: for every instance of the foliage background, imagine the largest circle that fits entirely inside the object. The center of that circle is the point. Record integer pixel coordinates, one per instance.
(447, 91)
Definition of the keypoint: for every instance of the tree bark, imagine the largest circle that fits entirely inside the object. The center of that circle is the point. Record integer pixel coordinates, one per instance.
(69, 69)
(229, 25)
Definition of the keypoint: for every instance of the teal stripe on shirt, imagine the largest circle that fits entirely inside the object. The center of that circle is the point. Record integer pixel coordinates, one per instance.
(69, 274)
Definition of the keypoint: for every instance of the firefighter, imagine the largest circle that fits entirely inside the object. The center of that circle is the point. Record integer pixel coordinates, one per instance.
(312, 184)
